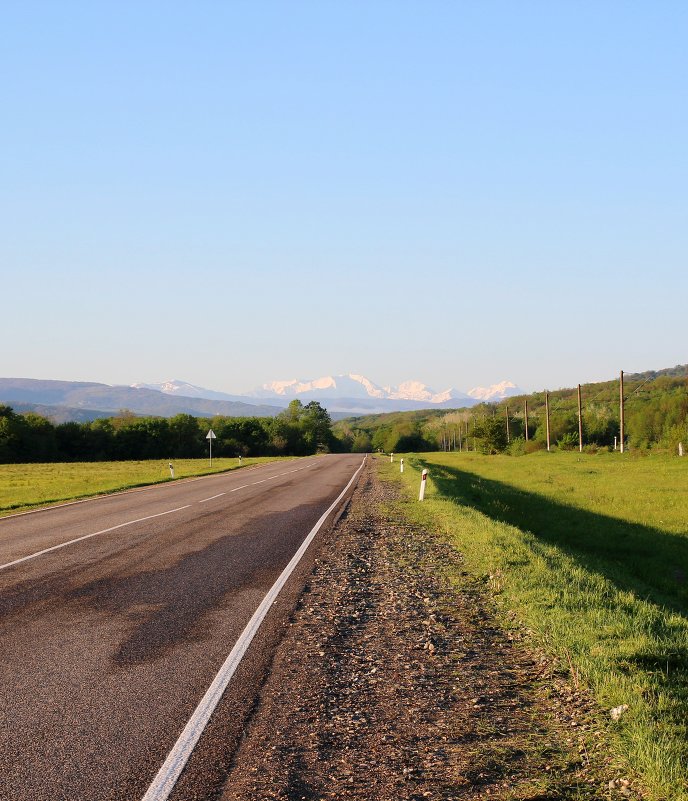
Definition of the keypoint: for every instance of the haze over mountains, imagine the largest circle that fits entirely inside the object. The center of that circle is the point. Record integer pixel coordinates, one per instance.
(342, 395)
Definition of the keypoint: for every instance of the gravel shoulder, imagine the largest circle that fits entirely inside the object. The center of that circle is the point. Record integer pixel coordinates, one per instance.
(394, 681)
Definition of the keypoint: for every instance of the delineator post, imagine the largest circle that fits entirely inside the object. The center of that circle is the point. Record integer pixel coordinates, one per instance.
(423, 482)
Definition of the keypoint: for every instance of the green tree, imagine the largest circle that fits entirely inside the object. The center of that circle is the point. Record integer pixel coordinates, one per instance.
(10, 435)
(187, 437)
(490, 434)
(316, 425)
(362, 442)
(38, 442)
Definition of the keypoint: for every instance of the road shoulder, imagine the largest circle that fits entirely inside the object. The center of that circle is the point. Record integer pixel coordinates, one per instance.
(390, 684)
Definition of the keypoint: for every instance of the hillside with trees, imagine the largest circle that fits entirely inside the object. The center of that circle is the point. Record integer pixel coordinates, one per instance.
(655, 410)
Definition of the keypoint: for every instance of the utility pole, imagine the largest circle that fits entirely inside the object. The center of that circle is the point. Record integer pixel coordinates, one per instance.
(621, 412)
(580, 421)
(508, 433)
(547, 415)
(525, 415)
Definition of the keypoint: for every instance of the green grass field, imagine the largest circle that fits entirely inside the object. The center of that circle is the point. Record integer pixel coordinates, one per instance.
(591, 553)
(26, 486)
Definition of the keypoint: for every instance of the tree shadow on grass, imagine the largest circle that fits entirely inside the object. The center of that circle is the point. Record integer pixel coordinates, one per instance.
(649, 563)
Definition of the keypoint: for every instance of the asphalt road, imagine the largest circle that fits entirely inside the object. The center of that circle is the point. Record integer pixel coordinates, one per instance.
(108, 643)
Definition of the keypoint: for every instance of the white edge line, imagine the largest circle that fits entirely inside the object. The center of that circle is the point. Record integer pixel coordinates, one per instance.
(88, 536)
(166, 778)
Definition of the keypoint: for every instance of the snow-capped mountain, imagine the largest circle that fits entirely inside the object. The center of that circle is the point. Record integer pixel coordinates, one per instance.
(352, 385)
(415, 390)
(505, 389)
(340, 386)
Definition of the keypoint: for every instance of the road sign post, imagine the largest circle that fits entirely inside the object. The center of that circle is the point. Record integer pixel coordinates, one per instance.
(210, 436)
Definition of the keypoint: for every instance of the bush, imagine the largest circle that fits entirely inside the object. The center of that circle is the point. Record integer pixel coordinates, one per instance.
(517, 447)
(535, 445)
(567, 442)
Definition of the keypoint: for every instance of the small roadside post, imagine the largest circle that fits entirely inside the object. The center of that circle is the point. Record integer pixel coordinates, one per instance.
(680, 449)
(210, 436)
(401, 466)
(391, 457)
(423, 482)
(239, 458)
(171, 470)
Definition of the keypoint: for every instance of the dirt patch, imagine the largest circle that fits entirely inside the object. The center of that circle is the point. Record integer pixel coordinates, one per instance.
(393, 684)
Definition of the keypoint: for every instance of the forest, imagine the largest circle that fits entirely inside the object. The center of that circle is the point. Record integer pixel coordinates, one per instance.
(299, 430)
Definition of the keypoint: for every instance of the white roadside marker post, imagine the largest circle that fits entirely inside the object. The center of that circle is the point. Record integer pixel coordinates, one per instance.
(171, 470)
(401, 466)
(423, 482)
(210, 436)
(680, 449)
(391, 457)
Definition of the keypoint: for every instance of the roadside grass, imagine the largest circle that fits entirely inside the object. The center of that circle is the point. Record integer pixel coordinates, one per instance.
(27, 486)
(591, 553)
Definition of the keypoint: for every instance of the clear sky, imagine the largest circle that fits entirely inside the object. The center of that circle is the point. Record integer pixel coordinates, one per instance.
(236, 192)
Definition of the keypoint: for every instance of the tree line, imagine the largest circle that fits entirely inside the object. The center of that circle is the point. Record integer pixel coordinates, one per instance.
(299, 430)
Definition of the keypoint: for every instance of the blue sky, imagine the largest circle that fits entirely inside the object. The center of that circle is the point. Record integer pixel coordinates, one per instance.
(236, 192)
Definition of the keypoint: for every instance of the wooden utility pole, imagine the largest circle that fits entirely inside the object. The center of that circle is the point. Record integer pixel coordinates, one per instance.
(621, 412)
(508, 433)
(525, 415)
(547, 416)
(580, 421)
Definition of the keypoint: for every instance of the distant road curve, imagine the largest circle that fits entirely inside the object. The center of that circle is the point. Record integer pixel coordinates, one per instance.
(116, 615)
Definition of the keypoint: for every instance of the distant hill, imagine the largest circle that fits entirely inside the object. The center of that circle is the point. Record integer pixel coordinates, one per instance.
(680, 371)
(59, 414)
(73, 398)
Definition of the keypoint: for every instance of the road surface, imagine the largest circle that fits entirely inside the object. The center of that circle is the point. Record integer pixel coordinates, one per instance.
(109, 642)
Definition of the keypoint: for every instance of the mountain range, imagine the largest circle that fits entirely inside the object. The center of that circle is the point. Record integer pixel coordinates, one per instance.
(350, 394)
(342, 395)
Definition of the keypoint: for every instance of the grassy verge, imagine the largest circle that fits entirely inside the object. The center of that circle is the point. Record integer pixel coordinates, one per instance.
(26, 486)
(591, 553)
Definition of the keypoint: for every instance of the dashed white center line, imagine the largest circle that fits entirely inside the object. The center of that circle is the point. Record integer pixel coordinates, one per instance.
(262, 481)
(212, 497)
(143, 519)
(88, 536)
